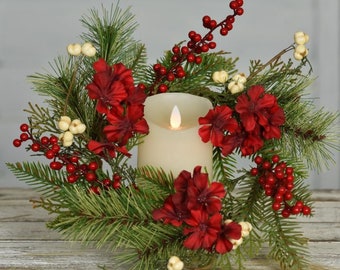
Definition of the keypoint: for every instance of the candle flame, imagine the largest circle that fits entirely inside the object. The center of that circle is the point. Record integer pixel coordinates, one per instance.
(175, 118)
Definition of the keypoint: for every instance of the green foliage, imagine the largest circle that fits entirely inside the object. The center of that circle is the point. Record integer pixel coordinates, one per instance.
(121, 219)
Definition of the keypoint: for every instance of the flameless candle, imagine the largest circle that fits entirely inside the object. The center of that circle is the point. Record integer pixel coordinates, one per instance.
(173, 142)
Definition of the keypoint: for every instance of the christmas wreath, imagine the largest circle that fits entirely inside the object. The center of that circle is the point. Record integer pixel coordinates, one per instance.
(181, 209)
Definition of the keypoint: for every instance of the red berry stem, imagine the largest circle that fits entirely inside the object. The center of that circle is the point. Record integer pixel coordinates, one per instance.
(277, 181)
(192, 50)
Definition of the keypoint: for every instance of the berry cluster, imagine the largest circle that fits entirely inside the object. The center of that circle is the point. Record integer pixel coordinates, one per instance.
(59, 158)
(277, 180)
(195, 46)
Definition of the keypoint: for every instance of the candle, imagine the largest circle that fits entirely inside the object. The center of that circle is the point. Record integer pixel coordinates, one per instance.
(173, 142)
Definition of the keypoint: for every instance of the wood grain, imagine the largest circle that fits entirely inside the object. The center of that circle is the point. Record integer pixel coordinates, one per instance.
(26, 243)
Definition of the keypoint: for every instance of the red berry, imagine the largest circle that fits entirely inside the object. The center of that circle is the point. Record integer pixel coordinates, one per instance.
(162, 88)
(53, 139)
(17, 143)
(162, 70)
(276, 206)
(224, 31)
(191, 44)
(24, 127)
(192, 35)
(295, 210)
(49, 154)
(197, 38)
(72, 178)
(266, 165)
(258, 160)
(281, 190)
(74, 159)
(206, 20)
(184, 50)
(176, 49)
(180, 73)
(240, 3)
(116, 184)
(268, 192)
(254, 171)
(95, 190)
(56, 165)
(93, 166)
(212, 45)
(141, 86)
(279, 174)
(156, 67)
(288, 196)
(306, 210)
(276, 158)
(289, 170)
(35, 147)
(70, 168)
(55, 148)
(44, 140)
(239, 11)
(198, 60)
(212, 24)
(270, 180)
(170, 77)
(233, 5)
(24, 137)
(204, 48)
(106, 182)
(230, 19)
(90, 176)
(285, 213)
(229, 26)
(191, 57)
(289, 186)
(299, 204)
(174, 58)
(278, 198)
(209, 37)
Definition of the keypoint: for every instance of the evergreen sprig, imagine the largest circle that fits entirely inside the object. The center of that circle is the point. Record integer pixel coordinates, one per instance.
(121, 219)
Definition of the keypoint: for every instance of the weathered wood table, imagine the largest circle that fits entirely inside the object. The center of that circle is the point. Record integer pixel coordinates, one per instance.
(26, 243)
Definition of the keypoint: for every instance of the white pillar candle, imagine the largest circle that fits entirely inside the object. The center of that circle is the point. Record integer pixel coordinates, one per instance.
(175, 148)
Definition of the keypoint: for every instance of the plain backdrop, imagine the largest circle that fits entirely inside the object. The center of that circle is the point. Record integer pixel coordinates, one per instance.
(34, 32)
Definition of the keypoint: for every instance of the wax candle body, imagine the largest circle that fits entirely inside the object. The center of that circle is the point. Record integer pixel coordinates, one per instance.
(177, 149)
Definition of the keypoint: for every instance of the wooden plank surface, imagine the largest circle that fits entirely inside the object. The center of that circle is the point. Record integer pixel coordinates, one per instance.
(26, 243)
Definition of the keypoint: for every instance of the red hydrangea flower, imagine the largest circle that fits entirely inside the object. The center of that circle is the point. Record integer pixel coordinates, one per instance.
(257, 107)
(110, 85)
(276, 118)
(171, 213)
(216, 123)
(229, 231)
(253, 107)
(202, 196)
(102, 149)
(122, 127)
(203, 230)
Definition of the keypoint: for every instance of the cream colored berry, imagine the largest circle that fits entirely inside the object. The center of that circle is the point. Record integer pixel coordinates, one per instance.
(74, 49)
(236, 242)
(220, 76)
(246, 228)
(64, 123)
(77, 127)
(175, 263)
(240, 78)
(301, 38)
(67, 136)
(88, 50)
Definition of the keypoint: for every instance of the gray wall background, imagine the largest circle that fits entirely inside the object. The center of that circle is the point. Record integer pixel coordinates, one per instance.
(33, 32)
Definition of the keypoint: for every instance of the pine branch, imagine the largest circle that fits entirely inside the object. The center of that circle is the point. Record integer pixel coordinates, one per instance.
(224, 168)
(39, 176)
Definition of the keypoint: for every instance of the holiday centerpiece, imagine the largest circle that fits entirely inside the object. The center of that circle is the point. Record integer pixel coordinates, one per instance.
(187, 204)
